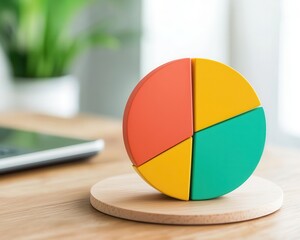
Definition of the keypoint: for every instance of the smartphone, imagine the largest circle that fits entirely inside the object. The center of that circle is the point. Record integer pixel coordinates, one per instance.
(25, 149)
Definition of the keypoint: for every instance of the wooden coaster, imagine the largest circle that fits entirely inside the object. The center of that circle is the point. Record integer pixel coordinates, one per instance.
(129, 197)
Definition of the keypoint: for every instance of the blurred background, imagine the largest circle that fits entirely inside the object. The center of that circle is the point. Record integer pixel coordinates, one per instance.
(85, 56)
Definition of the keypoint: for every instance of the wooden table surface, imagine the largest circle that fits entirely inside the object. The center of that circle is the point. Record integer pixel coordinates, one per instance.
(53, 202)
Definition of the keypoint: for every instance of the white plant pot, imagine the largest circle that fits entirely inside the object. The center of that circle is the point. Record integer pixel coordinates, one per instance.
(57, 96)
(5, 84)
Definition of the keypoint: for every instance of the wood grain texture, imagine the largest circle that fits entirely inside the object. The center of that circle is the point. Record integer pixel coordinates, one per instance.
(53, 202)
(136, 200)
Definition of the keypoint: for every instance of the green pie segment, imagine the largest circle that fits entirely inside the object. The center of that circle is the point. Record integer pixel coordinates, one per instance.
(226, 154)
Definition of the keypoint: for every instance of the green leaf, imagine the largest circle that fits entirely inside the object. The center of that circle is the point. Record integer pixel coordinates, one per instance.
(37, 38)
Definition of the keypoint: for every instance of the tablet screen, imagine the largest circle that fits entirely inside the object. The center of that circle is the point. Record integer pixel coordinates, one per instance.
(15, 142)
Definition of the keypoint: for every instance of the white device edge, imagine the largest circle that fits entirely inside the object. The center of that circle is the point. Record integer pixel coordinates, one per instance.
(49, 155)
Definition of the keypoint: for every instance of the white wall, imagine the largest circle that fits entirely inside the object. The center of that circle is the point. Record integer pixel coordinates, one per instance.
(176, 29)
(289, 76)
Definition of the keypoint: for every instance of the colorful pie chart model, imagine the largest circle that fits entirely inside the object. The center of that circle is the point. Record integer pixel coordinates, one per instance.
(194, 129)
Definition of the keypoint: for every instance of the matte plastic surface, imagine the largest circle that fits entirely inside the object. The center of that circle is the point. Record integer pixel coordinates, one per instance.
(159, 112)
(196, 100)
(170, 171)
(220, 93)
(226, 154)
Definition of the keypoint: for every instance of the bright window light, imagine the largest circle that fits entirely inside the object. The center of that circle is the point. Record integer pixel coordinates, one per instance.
(176, 29)
(289, 62)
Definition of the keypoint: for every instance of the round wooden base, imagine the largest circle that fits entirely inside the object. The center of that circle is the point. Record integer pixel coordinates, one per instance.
(129, 197)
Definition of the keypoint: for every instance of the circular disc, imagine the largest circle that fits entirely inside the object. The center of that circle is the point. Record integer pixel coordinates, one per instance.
(129, 197)
(194, 129)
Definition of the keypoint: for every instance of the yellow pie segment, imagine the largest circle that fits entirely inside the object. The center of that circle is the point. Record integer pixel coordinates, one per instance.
(170, 171)
(219, 93)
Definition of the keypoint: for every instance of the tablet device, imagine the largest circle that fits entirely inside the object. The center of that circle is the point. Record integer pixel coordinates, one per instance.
(24, 149)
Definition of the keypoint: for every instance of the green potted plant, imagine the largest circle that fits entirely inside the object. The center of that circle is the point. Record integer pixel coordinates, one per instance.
(37, 38)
